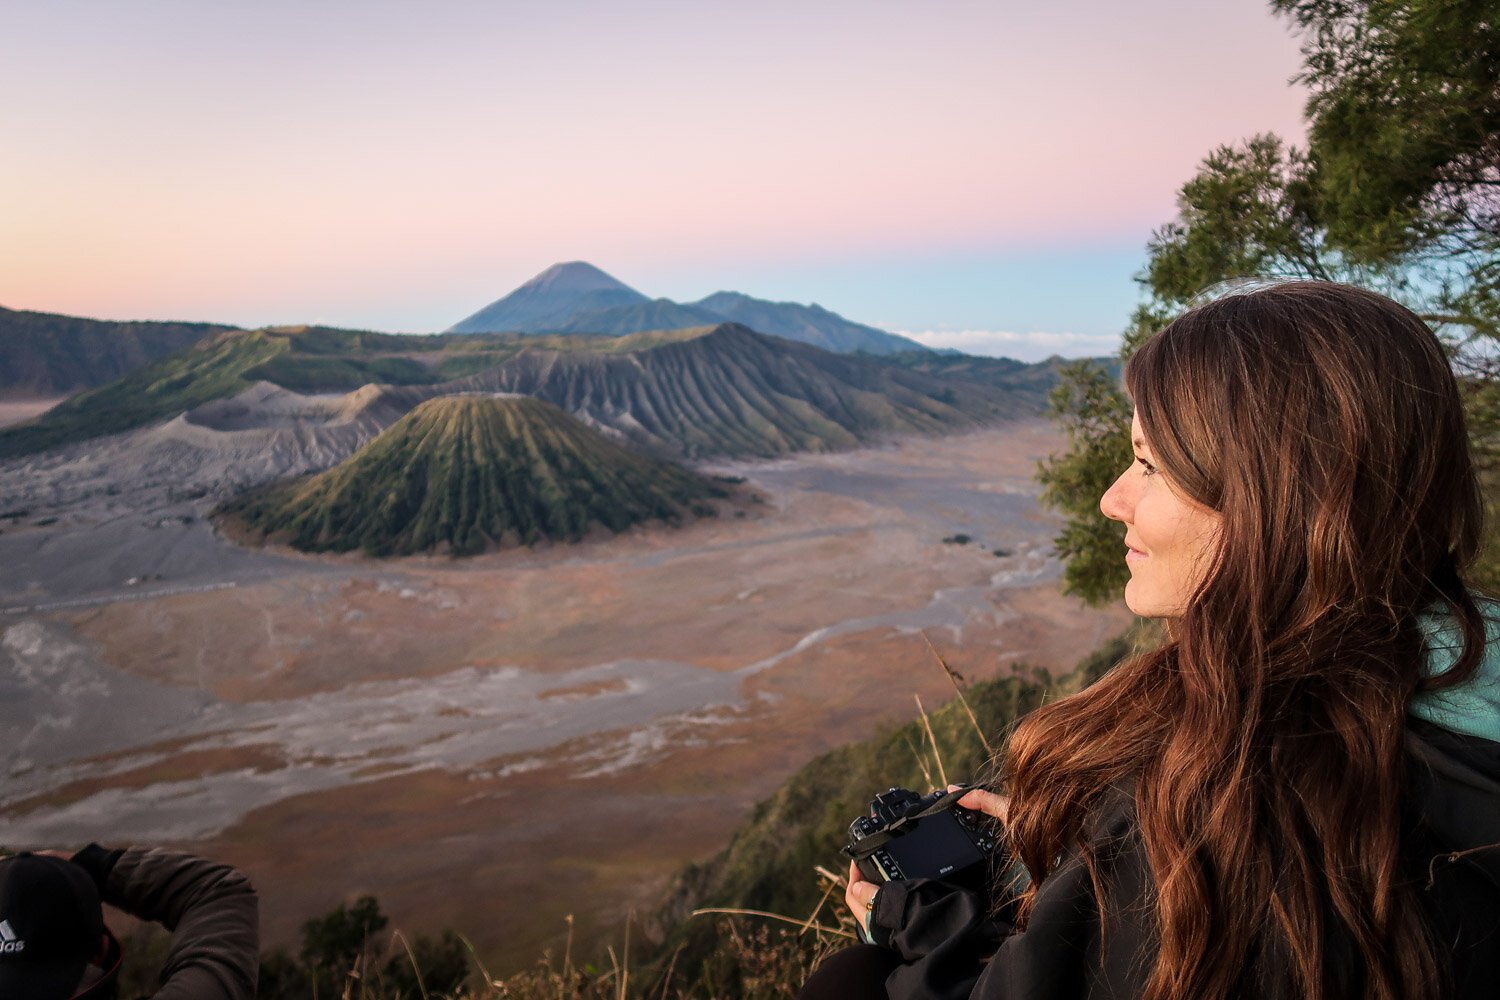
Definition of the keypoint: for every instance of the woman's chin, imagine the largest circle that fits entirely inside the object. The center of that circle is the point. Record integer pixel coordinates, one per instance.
(1144, 604)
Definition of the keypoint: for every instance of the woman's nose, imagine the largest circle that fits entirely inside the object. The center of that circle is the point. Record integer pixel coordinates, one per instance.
(1115, 503)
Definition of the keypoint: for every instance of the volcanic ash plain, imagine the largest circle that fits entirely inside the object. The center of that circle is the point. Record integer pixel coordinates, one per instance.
(493, 743)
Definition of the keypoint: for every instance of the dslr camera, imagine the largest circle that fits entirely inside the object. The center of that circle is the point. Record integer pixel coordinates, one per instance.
(907, 835)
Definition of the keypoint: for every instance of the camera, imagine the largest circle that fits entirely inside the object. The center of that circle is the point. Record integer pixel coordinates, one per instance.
(907, 835)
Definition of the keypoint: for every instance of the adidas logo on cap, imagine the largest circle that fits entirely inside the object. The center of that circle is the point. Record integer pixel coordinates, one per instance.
(9, 943)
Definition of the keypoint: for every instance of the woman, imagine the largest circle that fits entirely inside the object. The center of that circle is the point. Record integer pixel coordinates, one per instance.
(1298, 793)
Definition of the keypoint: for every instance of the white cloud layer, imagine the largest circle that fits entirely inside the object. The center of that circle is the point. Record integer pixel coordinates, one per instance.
(1032, 346)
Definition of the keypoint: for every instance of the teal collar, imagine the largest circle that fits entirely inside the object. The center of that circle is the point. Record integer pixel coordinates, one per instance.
(1474, 706)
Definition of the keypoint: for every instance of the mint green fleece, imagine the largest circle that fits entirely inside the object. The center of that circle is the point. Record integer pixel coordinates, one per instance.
(1474, 706)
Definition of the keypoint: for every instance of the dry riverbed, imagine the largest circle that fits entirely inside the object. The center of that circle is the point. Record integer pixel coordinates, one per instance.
(494, 743)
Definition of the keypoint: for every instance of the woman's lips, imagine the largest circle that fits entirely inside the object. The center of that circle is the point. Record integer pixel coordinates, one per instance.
(1132, 553)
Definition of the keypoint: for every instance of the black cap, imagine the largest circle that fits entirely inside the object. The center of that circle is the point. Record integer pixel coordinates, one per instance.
(50, 926)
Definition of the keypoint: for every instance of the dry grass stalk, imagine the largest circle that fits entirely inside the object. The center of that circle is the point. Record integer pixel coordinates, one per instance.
(921, 762)
(614, 964)
(421, 986)
(813, 916)
(837, 879)
(937, 754)
(489, 980)
(732, 911)
(625, 956)
(953, 679)
(671, 967)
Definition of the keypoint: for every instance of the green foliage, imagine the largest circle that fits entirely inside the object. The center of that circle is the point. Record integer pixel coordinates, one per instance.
(1249, 212)
(313, 373)
(282, 977)
(340, 943)
(1398, 190)
(1094, 413)
(1404, 123)
(433, 966)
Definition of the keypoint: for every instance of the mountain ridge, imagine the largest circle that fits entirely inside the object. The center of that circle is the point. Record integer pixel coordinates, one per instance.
(811, 324)
(577, 297)
(721, 390)
(49, 353)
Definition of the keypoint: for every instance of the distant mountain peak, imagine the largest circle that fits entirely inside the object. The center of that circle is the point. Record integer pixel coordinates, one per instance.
(552, 300)
(576, 276)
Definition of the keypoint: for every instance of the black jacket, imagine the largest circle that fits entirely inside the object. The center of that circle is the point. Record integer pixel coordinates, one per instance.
(946, 937)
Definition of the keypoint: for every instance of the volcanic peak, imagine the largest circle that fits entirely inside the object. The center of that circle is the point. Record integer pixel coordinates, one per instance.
(464, 473)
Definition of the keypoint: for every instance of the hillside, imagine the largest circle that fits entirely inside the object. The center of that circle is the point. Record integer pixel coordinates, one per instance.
(730, 391)
(810, 324)
(656, 314)
(460, 474)
(47, 354)
(1041, 375)
(768, 863)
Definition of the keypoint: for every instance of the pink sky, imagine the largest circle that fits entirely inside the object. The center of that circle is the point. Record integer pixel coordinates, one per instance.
(397, 165)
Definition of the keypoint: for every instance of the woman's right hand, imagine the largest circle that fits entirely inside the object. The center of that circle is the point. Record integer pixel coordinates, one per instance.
(989, 803)
(859, 895)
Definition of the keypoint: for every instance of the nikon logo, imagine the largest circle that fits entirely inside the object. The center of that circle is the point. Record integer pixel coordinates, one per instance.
(9, 943)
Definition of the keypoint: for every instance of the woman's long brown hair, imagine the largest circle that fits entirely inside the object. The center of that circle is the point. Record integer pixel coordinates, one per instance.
(1264, 739)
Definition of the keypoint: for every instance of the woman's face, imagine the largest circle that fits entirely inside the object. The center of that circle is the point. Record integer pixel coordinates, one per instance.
(1170, 540)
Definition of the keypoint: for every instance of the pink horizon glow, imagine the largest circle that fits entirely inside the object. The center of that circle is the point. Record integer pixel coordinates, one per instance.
(356, 161)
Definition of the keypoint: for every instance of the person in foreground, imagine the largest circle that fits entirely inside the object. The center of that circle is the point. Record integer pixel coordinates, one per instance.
(1298, 793)
(54, 944)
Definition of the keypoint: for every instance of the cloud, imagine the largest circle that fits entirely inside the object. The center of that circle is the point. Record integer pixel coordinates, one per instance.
(1031, 346)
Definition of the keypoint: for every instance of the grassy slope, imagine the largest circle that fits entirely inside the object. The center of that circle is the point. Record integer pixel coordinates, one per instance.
(464, 473)
(48, 354)
(769, 862)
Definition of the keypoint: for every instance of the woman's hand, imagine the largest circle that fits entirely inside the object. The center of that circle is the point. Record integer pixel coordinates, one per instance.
(989, 803)
(860, 897)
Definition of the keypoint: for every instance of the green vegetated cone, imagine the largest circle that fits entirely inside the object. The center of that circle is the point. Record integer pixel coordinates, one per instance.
(464, 473)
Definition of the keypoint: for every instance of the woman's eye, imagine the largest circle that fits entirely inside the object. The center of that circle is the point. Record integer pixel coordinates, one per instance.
(1147, 468)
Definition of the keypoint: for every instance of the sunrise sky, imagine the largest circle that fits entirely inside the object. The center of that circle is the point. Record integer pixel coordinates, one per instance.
(980, 175)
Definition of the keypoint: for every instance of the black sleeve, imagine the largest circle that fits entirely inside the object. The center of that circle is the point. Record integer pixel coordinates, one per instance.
(212, 910)
(953, 949)
(1072, 947)
(942, 933)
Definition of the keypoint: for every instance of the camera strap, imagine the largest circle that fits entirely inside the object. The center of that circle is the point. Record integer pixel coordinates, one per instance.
(882, 837)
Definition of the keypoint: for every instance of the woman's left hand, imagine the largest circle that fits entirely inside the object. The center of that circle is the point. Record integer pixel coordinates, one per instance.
(860, 897)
